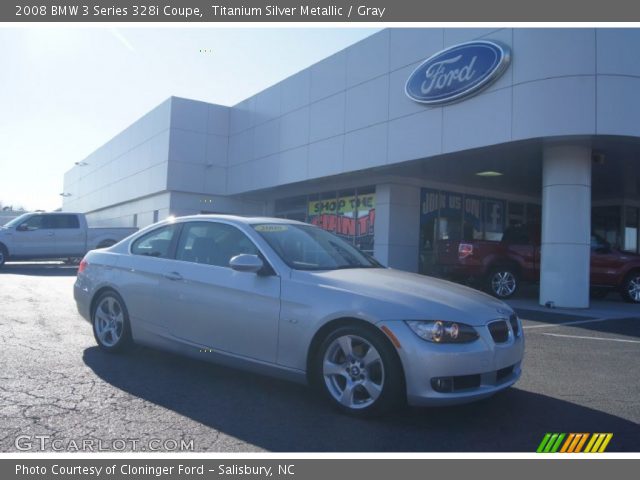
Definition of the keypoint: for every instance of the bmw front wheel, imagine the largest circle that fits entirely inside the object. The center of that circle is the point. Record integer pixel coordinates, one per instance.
(359, 372)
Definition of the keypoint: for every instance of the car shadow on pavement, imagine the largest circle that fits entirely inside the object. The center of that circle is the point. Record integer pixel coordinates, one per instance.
(280, 416)
(39, 269)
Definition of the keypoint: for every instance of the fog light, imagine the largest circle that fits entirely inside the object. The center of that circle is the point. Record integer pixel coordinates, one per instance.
(442, 384)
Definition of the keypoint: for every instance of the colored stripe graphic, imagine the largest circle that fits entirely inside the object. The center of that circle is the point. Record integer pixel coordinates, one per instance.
(555, 447)
(606, 442)
(581, 442)
(599, 442)
(574, 443)
(590, 444)
(551, 442)
(543, 443)
(567, 443)
(596, 446)
(572, 447)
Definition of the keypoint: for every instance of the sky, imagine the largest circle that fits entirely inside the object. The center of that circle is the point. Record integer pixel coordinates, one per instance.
(64, 92)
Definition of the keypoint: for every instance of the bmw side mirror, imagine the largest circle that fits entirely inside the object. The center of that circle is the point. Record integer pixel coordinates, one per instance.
(22, 228)
(246, 263)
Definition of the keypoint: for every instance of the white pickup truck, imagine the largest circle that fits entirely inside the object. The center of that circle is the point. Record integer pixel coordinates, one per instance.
(39, 236)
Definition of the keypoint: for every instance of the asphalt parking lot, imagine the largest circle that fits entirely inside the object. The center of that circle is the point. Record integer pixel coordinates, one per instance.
(55, 384)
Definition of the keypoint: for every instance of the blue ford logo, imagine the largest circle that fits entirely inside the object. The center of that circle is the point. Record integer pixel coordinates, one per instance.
(457, 72)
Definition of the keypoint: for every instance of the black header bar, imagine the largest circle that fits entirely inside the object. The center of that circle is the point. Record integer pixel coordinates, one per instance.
(319, 11)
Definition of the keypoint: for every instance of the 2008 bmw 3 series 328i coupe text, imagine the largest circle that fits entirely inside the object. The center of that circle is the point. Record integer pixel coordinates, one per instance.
(290, 299)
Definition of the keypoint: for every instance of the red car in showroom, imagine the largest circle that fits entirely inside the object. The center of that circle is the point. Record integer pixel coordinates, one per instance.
(500, 267)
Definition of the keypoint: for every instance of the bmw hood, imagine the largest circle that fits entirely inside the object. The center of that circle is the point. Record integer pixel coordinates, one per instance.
(406, 296)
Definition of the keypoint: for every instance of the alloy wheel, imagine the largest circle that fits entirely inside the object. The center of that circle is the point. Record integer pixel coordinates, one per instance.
(109, 321)
(353, 371)
(503, 283)
(633, 289)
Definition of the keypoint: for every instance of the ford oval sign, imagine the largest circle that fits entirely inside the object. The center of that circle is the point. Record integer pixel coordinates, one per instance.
(457, 72)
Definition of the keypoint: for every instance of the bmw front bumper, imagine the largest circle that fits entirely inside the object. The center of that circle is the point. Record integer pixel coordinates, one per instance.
(448, 374)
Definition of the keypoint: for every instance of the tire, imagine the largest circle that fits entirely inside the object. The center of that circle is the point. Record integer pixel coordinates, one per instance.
(4, 255)
(358, 371)
(110, 320)
(631, 287)
(503, 282)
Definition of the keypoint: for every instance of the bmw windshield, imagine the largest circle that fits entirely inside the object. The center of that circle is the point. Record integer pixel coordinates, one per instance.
(304, 247)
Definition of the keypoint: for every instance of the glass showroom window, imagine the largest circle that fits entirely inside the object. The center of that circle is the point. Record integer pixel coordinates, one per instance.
(516, 214)
(365, 209)
(452, 217)
(350, 214)
(606, 222)
(292, 208)
(631, 229)
(323, 211)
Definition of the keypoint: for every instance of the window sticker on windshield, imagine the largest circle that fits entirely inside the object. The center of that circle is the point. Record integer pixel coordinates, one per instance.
(271, 228)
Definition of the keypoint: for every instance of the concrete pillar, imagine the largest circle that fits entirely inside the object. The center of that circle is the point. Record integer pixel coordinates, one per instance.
(397, 227)
(566, 225)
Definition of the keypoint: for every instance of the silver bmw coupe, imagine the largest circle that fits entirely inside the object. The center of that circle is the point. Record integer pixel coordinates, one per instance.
(289, 299)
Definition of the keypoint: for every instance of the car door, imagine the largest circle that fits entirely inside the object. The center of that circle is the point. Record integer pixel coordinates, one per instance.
(69, 237)
(142, 279)
(32, 239)
(214, 306)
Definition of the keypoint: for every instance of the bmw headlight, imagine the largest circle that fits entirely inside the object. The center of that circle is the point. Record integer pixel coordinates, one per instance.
(439, 331)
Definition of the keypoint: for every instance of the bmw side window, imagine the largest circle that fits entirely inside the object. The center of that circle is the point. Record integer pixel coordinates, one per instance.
(212, 244)
(156, 243)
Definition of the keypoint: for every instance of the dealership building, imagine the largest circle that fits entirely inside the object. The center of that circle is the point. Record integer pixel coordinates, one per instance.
(406, 138)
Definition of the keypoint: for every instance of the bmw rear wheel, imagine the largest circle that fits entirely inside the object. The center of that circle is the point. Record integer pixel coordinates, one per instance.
(110, 321)
(359, 372)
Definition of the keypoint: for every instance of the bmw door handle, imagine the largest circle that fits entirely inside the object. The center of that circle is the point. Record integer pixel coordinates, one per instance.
(174, 276)
(51, 234)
